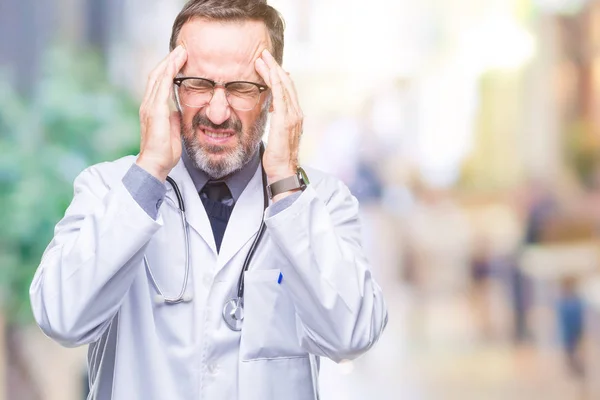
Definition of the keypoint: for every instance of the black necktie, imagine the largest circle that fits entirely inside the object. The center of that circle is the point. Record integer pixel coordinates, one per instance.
(216, 191)
(217, 200)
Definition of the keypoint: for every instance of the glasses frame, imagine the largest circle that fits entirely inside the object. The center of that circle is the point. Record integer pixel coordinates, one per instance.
(179, 81)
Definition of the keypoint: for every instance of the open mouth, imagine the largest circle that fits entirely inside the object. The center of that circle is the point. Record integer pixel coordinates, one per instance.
(218, 136)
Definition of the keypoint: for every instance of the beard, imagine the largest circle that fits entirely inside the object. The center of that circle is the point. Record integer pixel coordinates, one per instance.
(230, 160)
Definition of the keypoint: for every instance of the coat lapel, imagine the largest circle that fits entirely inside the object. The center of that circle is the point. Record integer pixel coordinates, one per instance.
(194, 209)
(244, 221)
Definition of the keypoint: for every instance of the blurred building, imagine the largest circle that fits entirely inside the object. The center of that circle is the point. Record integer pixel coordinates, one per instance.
(577, 86)
(127, 33)
(30, 24)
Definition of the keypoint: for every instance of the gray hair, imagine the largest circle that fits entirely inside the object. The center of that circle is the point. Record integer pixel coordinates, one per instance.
(234, 10)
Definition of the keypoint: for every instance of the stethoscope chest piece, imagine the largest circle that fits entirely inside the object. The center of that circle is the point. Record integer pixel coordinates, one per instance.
(233, 314)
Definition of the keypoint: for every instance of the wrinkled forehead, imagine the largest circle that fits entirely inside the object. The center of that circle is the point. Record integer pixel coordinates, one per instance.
(223, 50)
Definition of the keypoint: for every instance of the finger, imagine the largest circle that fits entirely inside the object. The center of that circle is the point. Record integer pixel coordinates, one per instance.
(180, 59)
(295, 114)
(175, 122)
(279, 96)
(269, 59)
(289, 82)
(290, 96)
(269, 62)
(289, 88)
(262, 70)
(150, 83)
(159, 71)
(164, 85)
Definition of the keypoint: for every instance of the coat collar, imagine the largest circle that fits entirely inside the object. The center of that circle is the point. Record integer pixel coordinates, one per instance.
(243, 224)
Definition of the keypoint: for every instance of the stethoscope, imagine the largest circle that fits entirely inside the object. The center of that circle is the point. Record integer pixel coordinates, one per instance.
(233, 310)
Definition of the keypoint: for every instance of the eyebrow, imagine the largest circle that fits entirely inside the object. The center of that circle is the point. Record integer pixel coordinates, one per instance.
(260, 81)
(256, 78)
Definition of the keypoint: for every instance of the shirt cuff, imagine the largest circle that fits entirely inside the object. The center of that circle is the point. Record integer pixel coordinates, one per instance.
(282, 204)
(145, 189)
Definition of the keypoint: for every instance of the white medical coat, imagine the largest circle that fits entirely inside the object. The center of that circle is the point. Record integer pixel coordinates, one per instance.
(92, 288)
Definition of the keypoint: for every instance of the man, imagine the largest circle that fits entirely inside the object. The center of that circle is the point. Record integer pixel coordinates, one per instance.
(115, 275)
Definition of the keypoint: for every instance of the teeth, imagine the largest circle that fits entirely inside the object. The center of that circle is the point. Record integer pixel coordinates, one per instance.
(217, 135)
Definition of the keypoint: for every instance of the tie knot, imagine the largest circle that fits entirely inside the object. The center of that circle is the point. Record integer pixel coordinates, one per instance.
(216, 191)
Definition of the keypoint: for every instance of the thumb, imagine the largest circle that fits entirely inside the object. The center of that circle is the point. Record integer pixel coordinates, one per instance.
(175, 127)
(174, 116)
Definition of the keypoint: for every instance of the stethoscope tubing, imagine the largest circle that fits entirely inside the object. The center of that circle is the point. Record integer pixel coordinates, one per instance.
(261, 230)
(181, 205)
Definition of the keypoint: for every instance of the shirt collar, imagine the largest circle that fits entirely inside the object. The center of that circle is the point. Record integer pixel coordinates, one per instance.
(236, 182)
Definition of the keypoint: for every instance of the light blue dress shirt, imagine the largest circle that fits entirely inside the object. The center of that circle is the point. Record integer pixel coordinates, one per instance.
(149, 192)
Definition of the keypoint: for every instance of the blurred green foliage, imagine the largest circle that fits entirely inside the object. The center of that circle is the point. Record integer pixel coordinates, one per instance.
(74, 119)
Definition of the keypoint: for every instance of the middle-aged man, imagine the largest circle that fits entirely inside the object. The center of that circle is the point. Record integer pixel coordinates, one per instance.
(161, 295)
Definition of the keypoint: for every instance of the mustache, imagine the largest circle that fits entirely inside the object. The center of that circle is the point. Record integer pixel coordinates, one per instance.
(202, 120)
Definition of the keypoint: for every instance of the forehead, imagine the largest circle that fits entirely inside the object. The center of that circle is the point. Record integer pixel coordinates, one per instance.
(223, 50)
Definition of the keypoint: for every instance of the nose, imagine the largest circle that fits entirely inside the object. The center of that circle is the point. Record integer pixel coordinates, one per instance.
(218, 110)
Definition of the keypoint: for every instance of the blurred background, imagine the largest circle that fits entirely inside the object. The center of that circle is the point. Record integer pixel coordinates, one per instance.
(468, 129)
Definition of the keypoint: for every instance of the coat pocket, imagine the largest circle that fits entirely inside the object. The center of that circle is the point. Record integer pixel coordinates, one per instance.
(276, 379)
(269, 329)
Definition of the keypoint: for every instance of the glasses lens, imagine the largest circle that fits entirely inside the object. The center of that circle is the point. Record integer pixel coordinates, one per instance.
(242, 96)
(196, 92)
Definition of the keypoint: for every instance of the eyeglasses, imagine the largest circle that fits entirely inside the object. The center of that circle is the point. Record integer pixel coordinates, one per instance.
(198, 92)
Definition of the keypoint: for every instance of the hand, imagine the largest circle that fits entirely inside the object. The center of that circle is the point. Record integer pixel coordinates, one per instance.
(281, 155)
(160, 148)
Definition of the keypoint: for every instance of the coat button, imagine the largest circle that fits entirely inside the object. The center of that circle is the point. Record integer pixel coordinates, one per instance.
(207, 280)
(213, 369)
